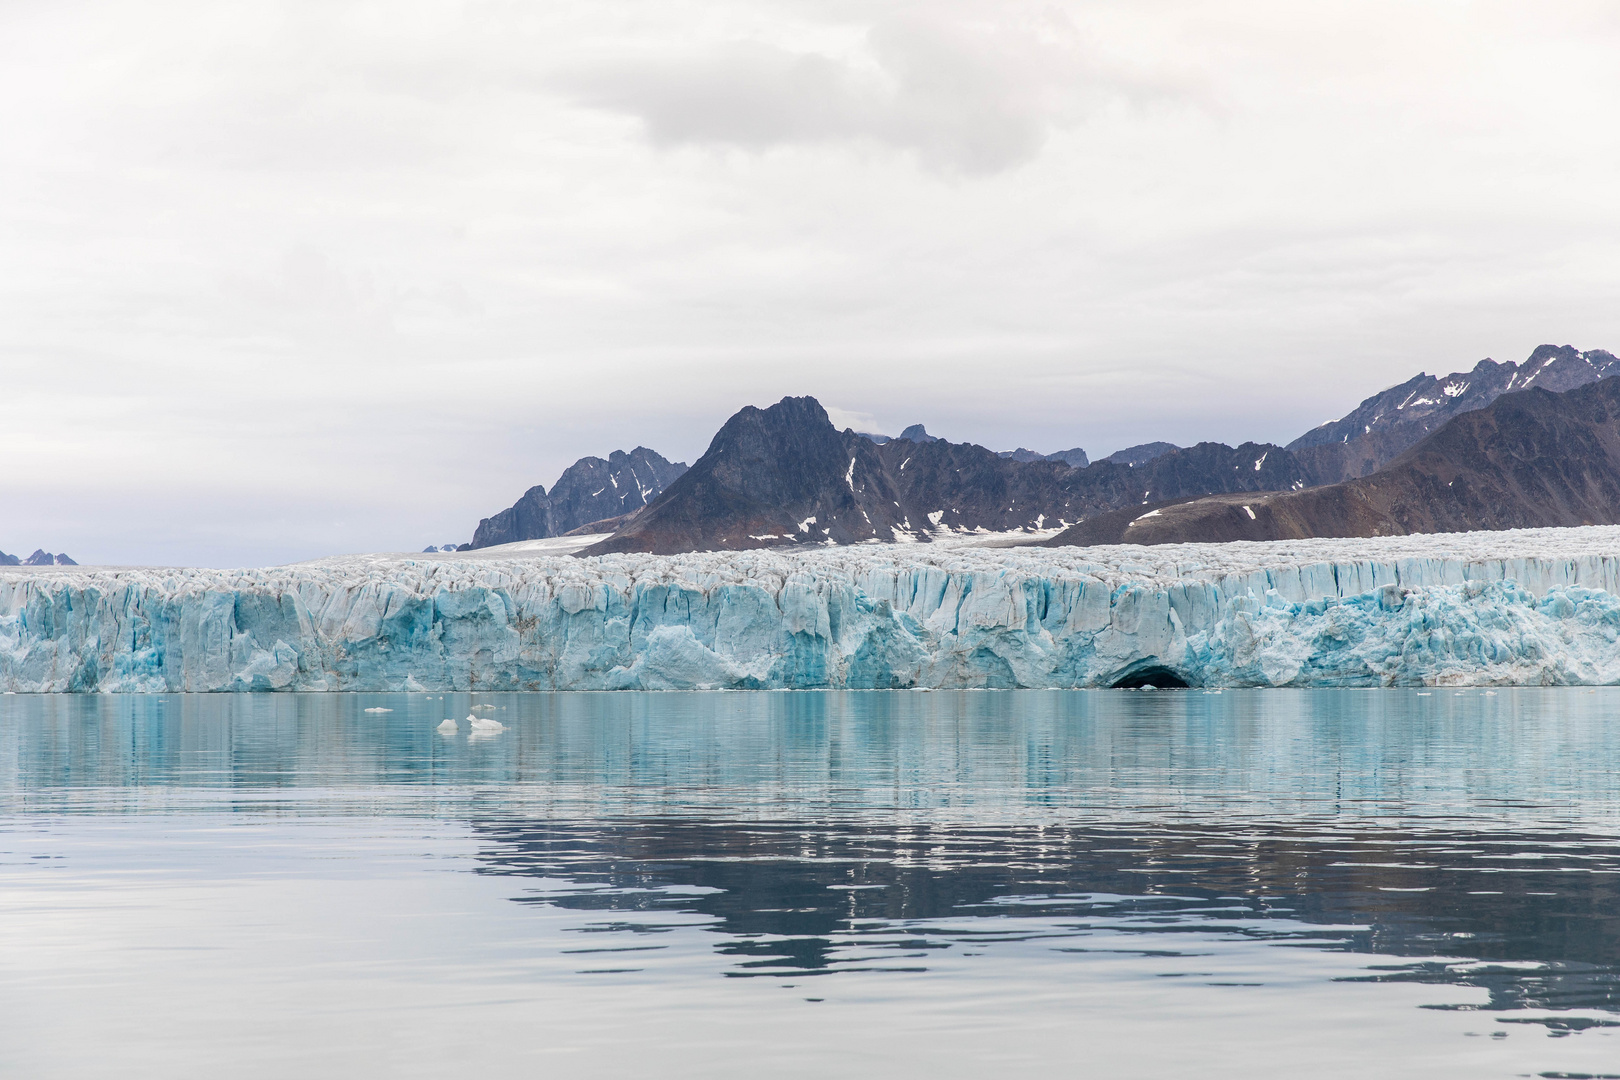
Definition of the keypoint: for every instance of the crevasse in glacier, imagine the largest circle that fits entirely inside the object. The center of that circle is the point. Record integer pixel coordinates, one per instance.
(1530, 606)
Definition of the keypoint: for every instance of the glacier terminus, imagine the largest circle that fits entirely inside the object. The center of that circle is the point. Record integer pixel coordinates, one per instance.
(1521, 607)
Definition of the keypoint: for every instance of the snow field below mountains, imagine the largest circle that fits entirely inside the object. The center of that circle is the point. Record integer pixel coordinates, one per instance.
(1528, 606)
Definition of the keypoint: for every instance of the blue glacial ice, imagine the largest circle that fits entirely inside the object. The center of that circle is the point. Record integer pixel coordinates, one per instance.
(1523, 607)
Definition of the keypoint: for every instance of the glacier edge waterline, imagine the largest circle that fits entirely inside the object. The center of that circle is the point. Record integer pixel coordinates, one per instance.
(1529, 607)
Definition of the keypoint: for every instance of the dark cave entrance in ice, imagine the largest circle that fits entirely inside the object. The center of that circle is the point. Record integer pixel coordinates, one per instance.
(1155, 675)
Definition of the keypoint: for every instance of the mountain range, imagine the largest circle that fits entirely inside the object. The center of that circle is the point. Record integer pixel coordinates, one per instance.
(785, 476)
(1529, 459)
(1384, 426)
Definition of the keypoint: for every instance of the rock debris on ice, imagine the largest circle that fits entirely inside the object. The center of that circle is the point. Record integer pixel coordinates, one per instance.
(1530, 606)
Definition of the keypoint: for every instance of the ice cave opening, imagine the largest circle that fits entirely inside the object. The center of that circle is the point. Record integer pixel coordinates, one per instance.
(1157, 676)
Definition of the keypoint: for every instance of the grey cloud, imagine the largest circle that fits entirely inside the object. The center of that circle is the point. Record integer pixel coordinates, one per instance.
(745, 94)
(962, 101)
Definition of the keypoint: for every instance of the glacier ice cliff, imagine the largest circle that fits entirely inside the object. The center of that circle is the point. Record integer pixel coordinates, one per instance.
(1522, 607)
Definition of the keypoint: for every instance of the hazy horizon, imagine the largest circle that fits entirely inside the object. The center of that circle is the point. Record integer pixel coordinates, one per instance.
(288, 281)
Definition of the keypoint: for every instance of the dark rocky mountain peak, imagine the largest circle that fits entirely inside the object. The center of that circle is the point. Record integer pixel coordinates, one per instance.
(1530, 459)
(783, 453)
(591, 489)
(770, 476)
(1385, 425)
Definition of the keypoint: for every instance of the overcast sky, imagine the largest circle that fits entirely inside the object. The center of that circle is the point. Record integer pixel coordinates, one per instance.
(284, 280)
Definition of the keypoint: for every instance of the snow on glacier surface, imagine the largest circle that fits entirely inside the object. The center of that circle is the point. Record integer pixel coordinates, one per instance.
(1527, 606)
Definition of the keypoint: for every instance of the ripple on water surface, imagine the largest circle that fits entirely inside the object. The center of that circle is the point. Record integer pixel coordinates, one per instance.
(1357, 883)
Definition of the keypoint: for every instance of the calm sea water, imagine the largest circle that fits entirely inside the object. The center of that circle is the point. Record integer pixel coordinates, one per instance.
(1110, 884)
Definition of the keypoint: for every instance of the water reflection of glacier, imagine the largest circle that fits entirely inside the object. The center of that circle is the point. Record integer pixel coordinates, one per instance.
(1471, 839)
(1531, 756)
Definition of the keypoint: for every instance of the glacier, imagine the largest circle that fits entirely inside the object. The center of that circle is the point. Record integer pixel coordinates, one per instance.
(1508, 608)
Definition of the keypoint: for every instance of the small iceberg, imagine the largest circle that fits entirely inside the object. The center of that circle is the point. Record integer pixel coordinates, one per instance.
(447, 724)
(484, 723)
(377, 710)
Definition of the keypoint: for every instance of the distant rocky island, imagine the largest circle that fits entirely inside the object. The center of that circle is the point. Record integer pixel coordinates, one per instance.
(40, 557)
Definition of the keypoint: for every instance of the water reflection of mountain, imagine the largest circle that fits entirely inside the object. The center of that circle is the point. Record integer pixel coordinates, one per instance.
(1549, 907)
